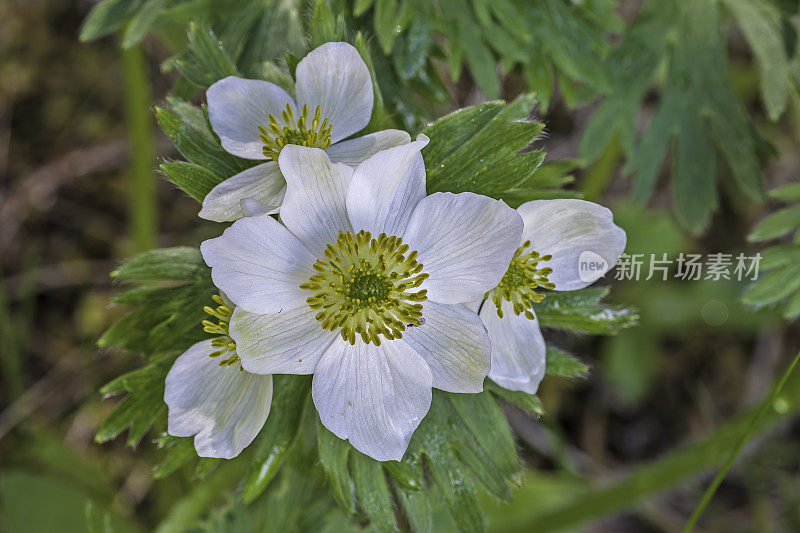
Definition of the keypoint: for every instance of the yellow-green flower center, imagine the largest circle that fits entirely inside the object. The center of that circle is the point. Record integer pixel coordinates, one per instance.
(364, 287)
(223, 342)
(521, 280)
(300, 131)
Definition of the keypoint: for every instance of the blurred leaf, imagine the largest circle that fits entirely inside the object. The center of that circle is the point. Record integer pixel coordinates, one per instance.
(107, 16)
(563, 364)
(777, 224)
(141, 23)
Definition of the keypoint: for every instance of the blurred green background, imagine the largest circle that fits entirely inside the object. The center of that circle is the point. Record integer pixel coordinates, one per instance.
(630, 448)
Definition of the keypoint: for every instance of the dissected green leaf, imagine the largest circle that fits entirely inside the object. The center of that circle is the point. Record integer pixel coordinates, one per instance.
(373, 491)
(778, 223)
(166, 264)
(583, 311)
(479, 149)
(334, 454)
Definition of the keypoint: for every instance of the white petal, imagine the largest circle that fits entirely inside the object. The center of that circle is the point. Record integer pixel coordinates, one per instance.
(465, 242)
(335, 78)
(254, 208)
(262, 183)
(237, 107)
(356, 150)
(374, 396)
(454, 343)
(223, 407)
(259, 265)
(289, 342)
(314, 205)
(518, 349)
(386, 188)
(573, 231)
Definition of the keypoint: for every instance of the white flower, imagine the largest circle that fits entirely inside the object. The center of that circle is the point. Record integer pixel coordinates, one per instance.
(566, 245)
(364, 286)
(209, 396)
(254, 119)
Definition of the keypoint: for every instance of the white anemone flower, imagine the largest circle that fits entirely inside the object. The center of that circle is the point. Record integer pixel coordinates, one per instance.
(566, 245)
(364, 286)
(255, 119)
(209, 395)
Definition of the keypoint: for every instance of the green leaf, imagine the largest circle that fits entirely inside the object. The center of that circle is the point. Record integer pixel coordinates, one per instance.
(582, 311)
(774, 286)
(529, 403)
(107, 16)
(478, 149)
(174, 264)
(373, 491)
(142, 23)
(562, 364)
(777, 224)
(143, 404)
(279, 432)
(204, 60)
(197, 144)
(385, 22)
(334, 454)
(761, 24)
(787, 193)
(192, 179)
(179, 451)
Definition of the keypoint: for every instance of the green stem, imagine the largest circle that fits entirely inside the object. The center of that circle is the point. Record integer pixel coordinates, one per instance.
(751, 428)
(142, 182)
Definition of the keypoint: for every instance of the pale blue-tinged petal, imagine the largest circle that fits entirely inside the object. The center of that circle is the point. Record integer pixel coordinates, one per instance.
(465, 242)
(259, 265)
(356, 150)
(373, 396)
(224, 408)
(314, 206)
(518, 349)
(386, 188)
(454, 343)
(262, 183)
(238, 106)
(289, 342)
(335, 78)
(581, 236)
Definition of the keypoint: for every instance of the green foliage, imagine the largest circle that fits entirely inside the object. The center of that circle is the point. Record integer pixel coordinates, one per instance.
(171, 286)
(779, 277)
(583, 311)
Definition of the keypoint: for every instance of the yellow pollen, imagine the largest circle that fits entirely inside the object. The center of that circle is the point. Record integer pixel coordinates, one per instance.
(223, 342)
(363, 287)
(315, 133)
(520, 282)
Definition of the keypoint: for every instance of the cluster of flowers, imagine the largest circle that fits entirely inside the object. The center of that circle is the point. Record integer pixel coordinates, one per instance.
(378, 290)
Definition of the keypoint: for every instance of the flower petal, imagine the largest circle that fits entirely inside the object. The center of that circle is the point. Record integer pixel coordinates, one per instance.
(262, 183)
(289, 342)
(518, 349)
(314, 205)
(454, 343)
(465, 242)
(335, 78)
(259, 265)
(356, 150)
(238, 106)
(374, 396)
(386, 188)
(222, 407)
(573, 231)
